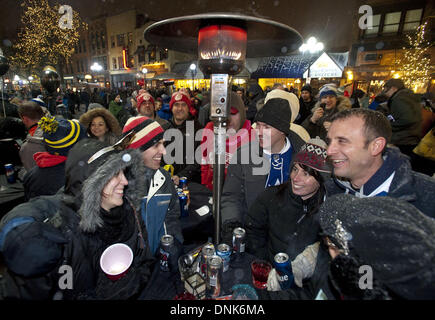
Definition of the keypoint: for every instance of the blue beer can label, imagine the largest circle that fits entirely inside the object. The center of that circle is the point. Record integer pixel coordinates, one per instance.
(10, 173)
(184, 207)
(224, 251)
(183, 183)
(283, 268)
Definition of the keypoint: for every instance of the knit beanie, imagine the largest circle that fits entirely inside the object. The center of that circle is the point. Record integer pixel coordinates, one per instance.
(60, 135)
(390, 235)
(276, 113)
(182, 96)
(292, 99)
(313, 154)
(147, 132)
(328, 90)
(308, 88)
(144, 97)
(397, 83)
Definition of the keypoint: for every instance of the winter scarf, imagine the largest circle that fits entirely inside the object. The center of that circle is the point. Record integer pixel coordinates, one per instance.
(45, 159)
(279, 165)
(242, 137)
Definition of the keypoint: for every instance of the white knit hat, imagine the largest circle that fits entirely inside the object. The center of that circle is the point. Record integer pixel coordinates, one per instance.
(292, 99)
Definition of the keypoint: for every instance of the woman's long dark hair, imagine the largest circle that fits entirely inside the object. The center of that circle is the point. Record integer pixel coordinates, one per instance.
(283, 189)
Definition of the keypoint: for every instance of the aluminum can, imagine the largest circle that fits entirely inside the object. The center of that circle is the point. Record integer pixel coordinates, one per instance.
(184, 206)
(207, 251)
(214, 276)
(239, 240)
(10, 173)
(187, 193)
(283, 268)
(224, 251)
(183, 183)
(166, 248)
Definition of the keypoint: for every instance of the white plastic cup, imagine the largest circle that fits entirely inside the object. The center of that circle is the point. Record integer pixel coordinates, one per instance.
(116, 260)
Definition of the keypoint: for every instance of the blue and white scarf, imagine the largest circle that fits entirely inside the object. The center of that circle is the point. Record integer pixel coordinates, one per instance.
(279, 165)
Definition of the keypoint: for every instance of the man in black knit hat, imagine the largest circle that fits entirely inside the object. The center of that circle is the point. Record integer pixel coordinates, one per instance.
(262, 163)
(306, 103)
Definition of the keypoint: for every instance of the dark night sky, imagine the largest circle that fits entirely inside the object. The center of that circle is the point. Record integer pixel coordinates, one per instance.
(330, 21)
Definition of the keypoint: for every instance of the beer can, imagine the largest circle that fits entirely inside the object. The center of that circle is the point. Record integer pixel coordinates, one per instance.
(207, 251)
(283, 268)
(10, 173)
(183, 183)
(239, 236)
(184, 206)
(214, 276)
(166, 245)
(187, 193)
(224, 251)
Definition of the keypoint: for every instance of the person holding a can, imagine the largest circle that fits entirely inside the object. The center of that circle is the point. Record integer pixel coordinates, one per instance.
(261, 163)
(283, 219)
(160, 210)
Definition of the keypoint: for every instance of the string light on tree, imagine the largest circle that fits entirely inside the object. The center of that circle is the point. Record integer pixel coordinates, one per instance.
(41, 40)
(415, 64)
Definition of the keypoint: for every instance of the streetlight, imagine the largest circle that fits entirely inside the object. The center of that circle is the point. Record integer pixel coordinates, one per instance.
(96, 67)
(312, 46)
(193, 69)
(144, 71)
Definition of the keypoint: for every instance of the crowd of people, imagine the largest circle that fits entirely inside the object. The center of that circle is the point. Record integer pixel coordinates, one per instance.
(335, 182)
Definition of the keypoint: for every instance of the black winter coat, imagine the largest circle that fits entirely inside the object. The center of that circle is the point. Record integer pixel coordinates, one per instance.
(44, 181)
(192, 171)
(280, 221)
(246, 181)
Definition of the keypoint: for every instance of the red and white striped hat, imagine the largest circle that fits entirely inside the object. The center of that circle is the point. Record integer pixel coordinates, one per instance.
(147, 132)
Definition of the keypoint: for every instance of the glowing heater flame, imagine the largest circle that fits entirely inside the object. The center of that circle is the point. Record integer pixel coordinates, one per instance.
(221, 54)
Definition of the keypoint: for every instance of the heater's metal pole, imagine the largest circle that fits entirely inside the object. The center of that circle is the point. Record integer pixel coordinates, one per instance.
(218, 113)
(3, 99)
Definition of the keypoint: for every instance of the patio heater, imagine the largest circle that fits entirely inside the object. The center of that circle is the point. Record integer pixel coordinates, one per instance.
(222, 41)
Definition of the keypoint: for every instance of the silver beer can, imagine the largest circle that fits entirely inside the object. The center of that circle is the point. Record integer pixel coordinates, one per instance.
(166, 244)
(239, 240)
(214, 276)
(207, 251)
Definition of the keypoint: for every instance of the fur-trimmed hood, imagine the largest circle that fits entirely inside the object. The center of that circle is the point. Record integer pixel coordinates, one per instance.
(136, 173)
(343, 103)
(111, 121)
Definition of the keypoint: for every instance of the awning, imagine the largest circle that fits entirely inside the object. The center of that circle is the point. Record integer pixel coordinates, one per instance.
(295, 66)
(292, 66)
(167, 75)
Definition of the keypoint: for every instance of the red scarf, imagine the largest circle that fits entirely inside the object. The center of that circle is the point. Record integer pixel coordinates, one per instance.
(32, 129)
(45, 159)
(232, 144)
